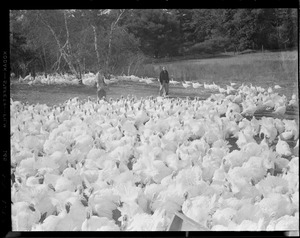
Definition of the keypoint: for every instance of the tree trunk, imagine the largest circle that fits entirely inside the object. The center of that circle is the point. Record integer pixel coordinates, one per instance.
(69, 62)
(45, 61)
(84, 71)
(79, 71)
(68, 44)
(80, 74)
(129, 66)
(96, 47)
(32, 71)
(235, 50)
(112, 28)
(69, 52)
(109, 50)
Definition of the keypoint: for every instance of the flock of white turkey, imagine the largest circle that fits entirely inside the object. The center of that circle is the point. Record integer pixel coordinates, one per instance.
(88, 79)
(128, 164)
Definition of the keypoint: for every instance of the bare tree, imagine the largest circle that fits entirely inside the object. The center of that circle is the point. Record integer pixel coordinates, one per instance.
(65, 51)
(100, 79)
(112, 28)
(96, 47)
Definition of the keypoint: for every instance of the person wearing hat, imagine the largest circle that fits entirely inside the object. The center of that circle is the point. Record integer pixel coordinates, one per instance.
(164, 82)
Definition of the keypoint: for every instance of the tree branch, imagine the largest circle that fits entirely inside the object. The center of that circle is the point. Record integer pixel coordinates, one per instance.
(68, 44)
(62, 51)
(51, 29)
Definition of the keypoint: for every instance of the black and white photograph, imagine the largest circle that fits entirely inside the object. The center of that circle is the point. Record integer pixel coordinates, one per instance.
(154, 119)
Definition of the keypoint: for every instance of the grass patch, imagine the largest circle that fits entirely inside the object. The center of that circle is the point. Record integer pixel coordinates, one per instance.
(264, 69)
(56, 94)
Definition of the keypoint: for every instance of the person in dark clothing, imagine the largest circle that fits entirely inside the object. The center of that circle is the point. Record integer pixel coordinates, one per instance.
(164, 82)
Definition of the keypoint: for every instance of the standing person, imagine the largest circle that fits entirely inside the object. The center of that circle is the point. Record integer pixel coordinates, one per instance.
(101, 93)
(164, 82)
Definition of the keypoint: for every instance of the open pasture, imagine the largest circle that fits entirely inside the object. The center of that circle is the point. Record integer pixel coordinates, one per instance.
(260, 69)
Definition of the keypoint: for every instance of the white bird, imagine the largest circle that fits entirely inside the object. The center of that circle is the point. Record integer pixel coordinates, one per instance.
(224, 216)
(28, 77)
(188, 82)
(234, 159)
(172, 81)
(268, 128)
(277, 87)
(293, 102)
(249, 109)
(199, 208)
(62, 222)
(148, 81)
(287, 135)
(237, 98)
(229, 89)
(279, 124)
(287, 223)
(283, 148)
(270, 90)
(291, 126)
(272, 184)
(269, 104)
(146, 222)
(247, 225)
(280, 110)
(196, 85)
(222, 90)
(206, 86)
(104, 202)
(24, 216)
(185, 85)
(141, 118)
(296, 149)
(276, 205)
(95, 223)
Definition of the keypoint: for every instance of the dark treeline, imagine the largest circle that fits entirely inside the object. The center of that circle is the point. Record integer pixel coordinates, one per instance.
(120, 40)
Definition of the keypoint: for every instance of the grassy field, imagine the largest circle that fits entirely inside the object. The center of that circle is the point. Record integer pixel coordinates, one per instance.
(56, 94)
(264, 70)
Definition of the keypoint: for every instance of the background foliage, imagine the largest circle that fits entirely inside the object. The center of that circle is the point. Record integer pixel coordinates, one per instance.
(119, 41)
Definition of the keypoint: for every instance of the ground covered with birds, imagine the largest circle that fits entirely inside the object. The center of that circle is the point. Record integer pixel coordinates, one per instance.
(128, 163)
